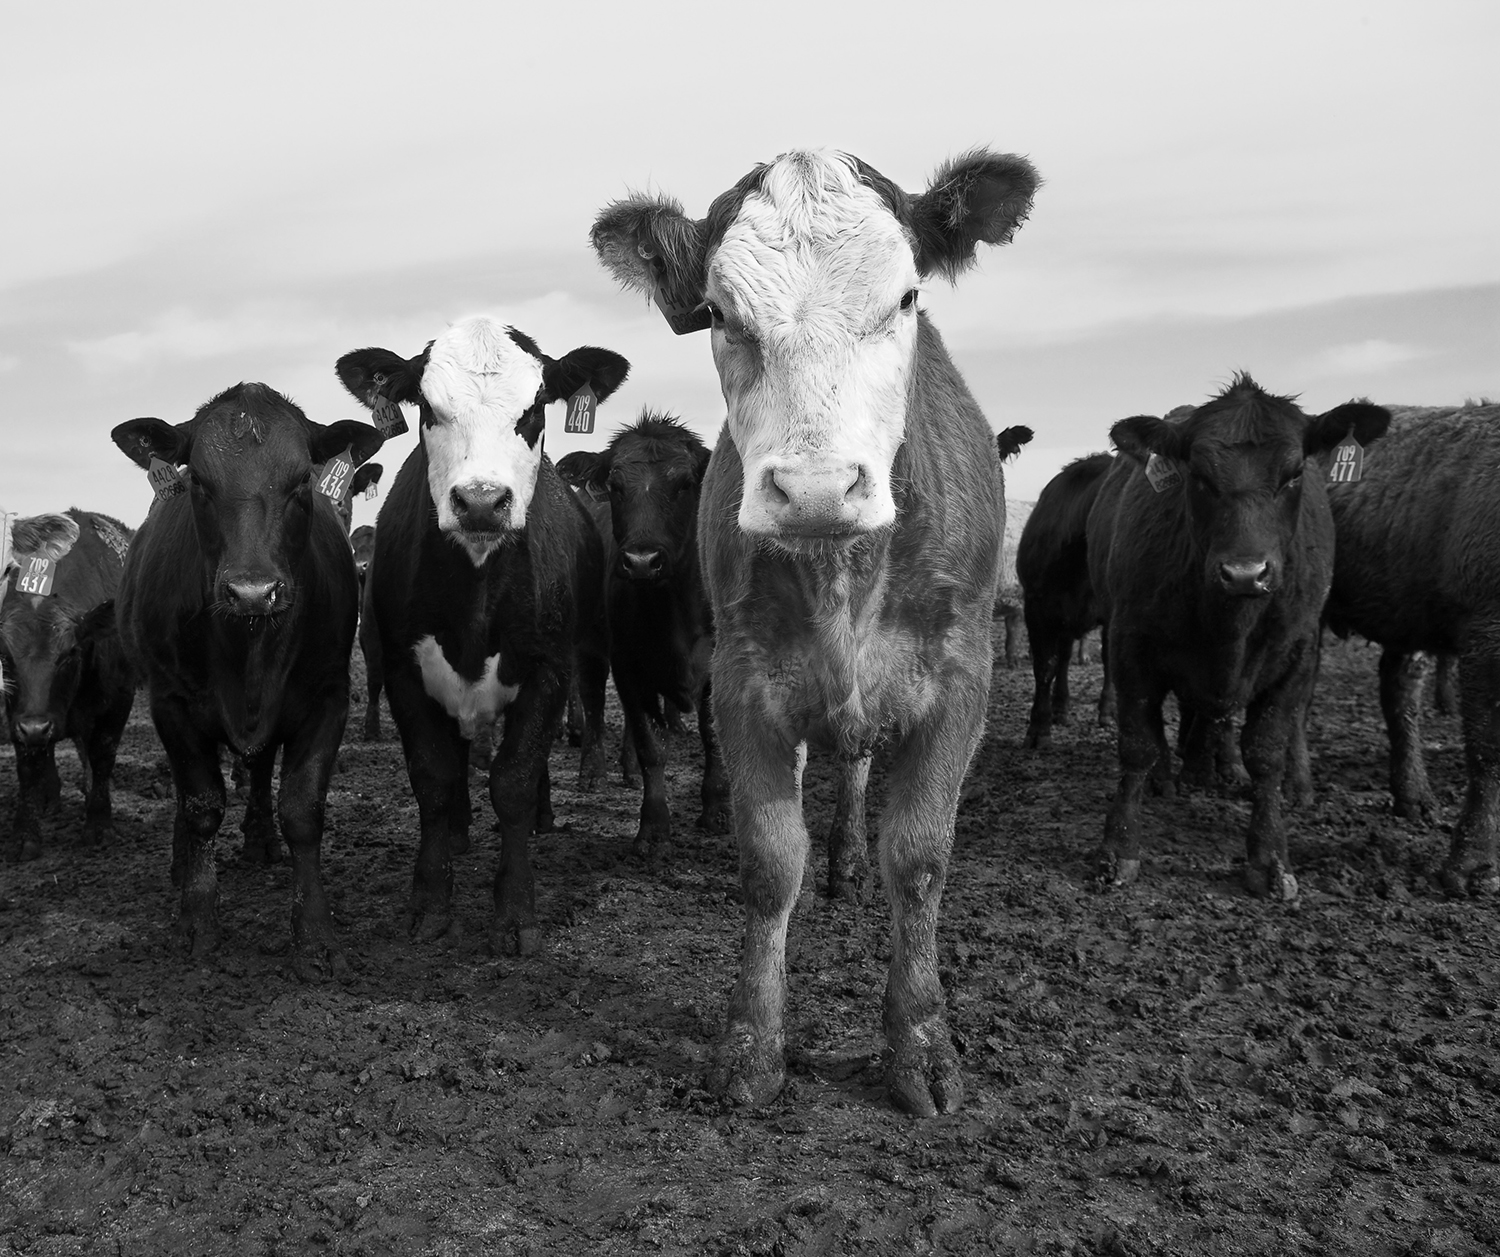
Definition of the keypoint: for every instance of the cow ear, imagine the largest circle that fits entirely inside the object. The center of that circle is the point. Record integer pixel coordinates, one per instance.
(649, 245)
(367, 475)
(1365, 421)
(701, 458)
(48, 536)
(1009, 442)
(97, 623)
(145, 439)
(370, 374)
(978, 198)
(326, 440)
(1144, 435)
(602, 370)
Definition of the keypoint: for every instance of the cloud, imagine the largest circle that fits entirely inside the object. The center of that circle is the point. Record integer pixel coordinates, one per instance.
(179, 334)
(1362, 357)
(8, 362)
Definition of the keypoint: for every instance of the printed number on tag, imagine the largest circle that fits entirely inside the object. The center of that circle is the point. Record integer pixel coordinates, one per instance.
(1161, 473)
(389, 421)
(166, 481)
(581, 407)
(1348, 462)
(681, 318)
(35, 576)
(338, 471)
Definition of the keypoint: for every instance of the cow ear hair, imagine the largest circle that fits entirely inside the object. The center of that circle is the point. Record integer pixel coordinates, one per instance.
(326, 440)
(649, 245)
(145, 439)
(602, 370)
(1009, 441)
(1141, 436)
(370, 374)
(49, 536)
(364, 477)
(97, 623)
(977, 198)
(1366, 421)
(702, 456)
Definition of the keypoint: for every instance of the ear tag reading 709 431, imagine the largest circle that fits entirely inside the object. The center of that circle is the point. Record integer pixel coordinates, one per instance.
(1161, 473)
(165, 480)
(1348, 462)
(581, 407)
(338, 471)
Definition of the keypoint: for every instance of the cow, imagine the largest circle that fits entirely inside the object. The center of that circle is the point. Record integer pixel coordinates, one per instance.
(1210, 544)
(237, 608)
(366, 476)
(66, 675)
(850, 536)
(1008, 444)
(1052, 566)
(660, 625)
(1418, 569)
(485, 585)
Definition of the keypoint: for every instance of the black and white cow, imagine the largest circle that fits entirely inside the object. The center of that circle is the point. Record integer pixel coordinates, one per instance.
(850, 535)
(484, 586)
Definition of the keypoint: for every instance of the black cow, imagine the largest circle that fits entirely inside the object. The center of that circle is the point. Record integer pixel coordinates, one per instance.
(660, 625)
(484, 586)
(1008, 443)
(237, 608)
(1418, 569)
(1212, 584)
(64, 669)
(1052, 566)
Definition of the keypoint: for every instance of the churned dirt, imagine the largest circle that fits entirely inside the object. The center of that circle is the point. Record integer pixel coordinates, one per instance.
(1172, 1069)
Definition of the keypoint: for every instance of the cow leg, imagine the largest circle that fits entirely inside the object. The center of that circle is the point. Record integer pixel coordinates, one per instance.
(1061, 699)
(97, 748)
(200, 811)
(49, 784)
(460, 807)
(1268, 734)
(1298, 786)
(546, 822)
(592, 672)
(261, 844)
(848, 846)
(1142, 742)
(1012, 617)
(1471, 867)
(516, 779)
(1044, 648)
(630, 761)
(306, 769)
(1445, 686)
(717, 815)
(369, 645)
(1107, 699)
(765, 768)
(33, 764)
(1401, 678)
(653, 837)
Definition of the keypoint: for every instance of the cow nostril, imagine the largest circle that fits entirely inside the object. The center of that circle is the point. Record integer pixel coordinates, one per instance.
(458, 502)
(503, 501)
(777, 495)
(860, 487)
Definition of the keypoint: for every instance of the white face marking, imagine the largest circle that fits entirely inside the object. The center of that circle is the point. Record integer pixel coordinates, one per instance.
(815, 350)
(478, 383)
(475, 705)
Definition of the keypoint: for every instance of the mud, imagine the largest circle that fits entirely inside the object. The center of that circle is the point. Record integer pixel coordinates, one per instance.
(1175, 1068)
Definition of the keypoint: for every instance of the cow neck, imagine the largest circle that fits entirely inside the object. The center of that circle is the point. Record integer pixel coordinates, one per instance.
(474, 598)
(256, 653)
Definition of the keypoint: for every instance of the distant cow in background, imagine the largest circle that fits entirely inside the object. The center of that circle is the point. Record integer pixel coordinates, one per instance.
(237, 607)
(64, 669)
(1008, 595)
(1418, 569)
(1052, 565)
(1212, 581)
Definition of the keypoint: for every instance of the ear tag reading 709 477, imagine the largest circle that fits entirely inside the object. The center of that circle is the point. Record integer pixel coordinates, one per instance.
(338, 471)
(581, 408)
(1348, 463)
(1161, 473)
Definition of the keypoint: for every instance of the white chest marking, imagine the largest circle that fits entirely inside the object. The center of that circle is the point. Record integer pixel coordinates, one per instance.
(474, 704)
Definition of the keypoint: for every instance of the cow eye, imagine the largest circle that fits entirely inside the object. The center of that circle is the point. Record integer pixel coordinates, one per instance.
(714, 313)
(1292, 483)
(910, 299)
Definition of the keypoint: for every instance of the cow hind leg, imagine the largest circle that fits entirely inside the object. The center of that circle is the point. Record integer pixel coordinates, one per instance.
(717, 815)
(848, 846)
(592, 672)
(1471, 867)
(32, 765)
(307, 767)
(653, 836)
(261, 844)
(1266, 741)
(1044, 670)
(1402, 677)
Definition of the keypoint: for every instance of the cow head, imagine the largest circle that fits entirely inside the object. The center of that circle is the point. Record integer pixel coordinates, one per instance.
(482, 389)
(250, 454)
(653, 472)
(1241, 456)
(808, 272)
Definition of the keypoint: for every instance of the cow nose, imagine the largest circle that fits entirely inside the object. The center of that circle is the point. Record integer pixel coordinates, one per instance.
(33, 730)
(481, 507)
(642, 564)
(253, 597)
(821, 499)
(1246, 578)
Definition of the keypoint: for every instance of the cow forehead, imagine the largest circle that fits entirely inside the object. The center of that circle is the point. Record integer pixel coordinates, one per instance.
(476, 369)
(812, 241)
(229, 442)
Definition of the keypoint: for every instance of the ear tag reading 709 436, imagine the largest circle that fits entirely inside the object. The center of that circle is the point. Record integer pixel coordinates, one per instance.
(1348, 462)
(338, 471)
(165, 480)
(1161, 473)
(581, 408)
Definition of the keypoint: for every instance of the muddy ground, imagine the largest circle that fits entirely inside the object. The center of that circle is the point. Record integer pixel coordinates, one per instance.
(1173, 1069)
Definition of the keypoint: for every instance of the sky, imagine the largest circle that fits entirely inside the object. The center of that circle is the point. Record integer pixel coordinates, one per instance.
(203, 194)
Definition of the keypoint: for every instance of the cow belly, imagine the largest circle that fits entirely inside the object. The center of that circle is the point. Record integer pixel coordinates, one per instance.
(474, 704)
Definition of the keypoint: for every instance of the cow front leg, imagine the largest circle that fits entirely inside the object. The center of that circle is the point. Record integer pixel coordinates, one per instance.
(653, 836)
(1045, 673)
(1265, 742)
(1402, 677)
(261, 844)
(717, 814)
(35, 765)
(1142, 745)
(200, 811)
(1471, 867)
(848, 845)
(592, 672)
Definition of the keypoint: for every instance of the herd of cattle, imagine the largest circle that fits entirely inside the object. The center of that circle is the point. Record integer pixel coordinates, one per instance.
(827, 575)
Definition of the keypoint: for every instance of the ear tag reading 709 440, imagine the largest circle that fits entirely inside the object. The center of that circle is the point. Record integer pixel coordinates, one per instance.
(1161, 473)
(165, 480)
(1348, 463)
(338, 471)
(581, 408)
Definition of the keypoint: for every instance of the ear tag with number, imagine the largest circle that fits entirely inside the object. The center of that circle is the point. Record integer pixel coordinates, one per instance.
(581, 408)
(371, 490)
(338, 471)
(681, 317)
(166, 481)
(1161, 473)
(1348, 463)
(389, 421)
(35, 576)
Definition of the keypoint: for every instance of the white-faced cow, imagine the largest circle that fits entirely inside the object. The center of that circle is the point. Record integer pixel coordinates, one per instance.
(1211, 550)
(850, 534)
(484, 587)
(237, 608)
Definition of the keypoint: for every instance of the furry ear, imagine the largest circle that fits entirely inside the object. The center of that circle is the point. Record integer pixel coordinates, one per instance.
(364, 477)
(1144, 435)
(97, 622)
(701, 457)
(370, 374)
(48, 536)
(580, 467)
(143, 439)
(1009, 441)
(326, 440)
(1365, 421)
(977, 198)
(648, 244)
(602, 370)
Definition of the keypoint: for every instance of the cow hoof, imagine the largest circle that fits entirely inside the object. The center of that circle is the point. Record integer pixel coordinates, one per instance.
(1061, 716)
(716, 819)
(201, 936)
(747, 1070)
(433, 923)
(1163, 787)
(316, 964)
(99, 835)
(458, 842)
(1036, 739)
(1459, 882)
(1112, 871)
(853, 888)
(511, 938)
(1273, 881)
(1423, 809)
(29, 847)
(370, 735)
(923, 1078)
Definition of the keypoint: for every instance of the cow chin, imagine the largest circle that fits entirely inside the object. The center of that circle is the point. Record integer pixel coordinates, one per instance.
(480, 545)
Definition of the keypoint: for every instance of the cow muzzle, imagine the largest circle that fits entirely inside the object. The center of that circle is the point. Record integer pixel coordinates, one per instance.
(1246, 578)
(32, 731)
(825, 499)
(648, 565)
(481, 508)
(251, 596)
